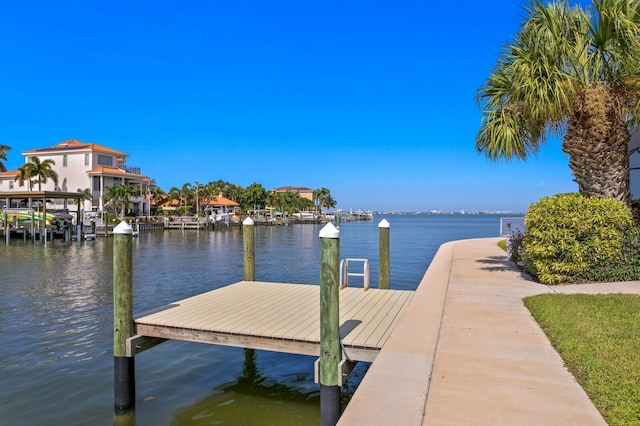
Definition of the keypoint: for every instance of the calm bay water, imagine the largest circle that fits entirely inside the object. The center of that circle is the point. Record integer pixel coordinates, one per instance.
(56, 313)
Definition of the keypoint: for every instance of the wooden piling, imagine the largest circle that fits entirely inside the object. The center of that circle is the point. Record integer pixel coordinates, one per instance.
(330, 352)
(248, 237)
(383, 255)
(5, 222)
(43, 237)
(123, 328)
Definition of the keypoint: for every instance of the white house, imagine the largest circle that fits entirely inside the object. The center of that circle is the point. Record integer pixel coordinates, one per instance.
(81, 165)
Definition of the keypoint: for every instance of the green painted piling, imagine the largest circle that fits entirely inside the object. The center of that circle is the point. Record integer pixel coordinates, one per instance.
(330, 352)
(384, 281)
(248, 237)
(123, 328)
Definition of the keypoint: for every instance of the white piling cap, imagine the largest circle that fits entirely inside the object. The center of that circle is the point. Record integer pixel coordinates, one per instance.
(123, 228)
(329, 231)
(248, 221)
(384, 224)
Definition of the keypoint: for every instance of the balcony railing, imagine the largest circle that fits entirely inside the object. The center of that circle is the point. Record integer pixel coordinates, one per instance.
(131, 169)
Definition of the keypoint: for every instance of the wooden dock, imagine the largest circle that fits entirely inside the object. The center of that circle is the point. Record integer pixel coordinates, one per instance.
(274, 317)
(186, 222)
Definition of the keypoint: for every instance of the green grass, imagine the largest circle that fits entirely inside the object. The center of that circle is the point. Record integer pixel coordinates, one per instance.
(503, 244)
(598, 337)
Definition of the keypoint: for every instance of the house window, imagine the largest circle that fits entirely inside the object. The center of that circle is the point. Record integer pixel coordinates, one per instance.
(10, 184)
(86, 159)
(96, 183)
(64, 161)
(105, 160)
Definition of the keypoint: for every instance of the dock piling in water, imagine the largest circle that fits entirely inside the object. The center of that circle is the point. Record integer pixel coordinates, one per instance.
(330, 352)
(248, 237)
(123, 326)
(384, 281)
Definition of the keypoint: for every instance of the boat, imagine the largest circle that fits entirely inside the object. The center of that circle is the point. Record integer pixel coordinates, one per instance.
(23, 217)
(357, 215)
(362, 215)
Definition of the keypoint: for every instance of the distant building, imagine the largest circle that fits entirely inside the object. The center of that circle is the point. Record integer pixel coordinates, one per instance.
(303, 191)
(81, 165)
(8, 181)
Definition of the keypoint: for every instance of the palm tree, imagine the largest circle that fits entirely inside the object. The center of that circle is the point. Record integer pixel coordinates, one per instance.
(43, 171)
(174, 194)
(155, 192)
(322, 198)
(572, 72)
(233, 192)
(319, 196)
(120, 197)
(85, 195)
(3, 156)
(197, 195)
(186, 194)
(329, 202)
(25, 172)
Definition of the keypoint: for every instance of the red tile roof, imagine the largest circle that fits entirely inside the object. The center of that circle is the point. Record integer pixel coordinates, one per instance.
(292, 189)
(113, 171)
(222, 201)
(75, 144)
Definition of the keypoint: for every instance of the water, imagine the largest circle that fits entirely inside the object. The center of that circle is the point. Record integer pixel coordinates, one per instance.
(56, 313)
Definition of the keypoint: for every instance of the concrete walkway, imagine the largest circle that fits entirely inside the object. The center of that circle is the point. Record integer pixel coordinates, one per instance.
(468, 352)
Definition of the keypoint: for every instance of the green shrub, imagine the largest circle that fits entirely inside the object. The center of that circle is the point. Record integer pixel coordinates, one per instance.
(515, 250)
(568, 236)
(624, 267)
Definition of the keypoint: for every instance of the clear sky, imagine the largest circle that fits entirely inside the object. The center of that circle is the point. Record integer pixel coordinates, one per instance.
(374, 100)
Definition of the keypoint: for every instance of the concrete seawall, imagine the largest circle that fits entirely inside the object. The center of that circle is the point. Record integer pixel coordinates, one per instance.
(467, 351)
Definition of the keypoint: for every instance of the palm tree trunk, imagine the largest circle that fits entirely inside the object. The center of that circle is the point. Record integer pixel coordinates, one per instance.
(596, 142)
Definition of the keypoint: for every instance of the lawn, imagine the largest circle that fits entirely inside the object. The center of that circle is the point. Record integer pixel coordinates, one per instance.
(598, 336)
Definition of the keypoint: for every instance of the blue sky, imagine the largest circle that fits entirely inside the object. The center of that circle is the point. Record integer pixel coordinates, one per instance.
(374, 100)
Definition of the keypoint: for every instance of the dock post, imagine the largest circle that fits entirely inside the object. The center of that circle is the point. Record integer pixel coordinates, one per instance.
(33, 227)
(248, 237)
(383, 256)
(5, 222)
(124, 371)
(44, 221)
(330, 352)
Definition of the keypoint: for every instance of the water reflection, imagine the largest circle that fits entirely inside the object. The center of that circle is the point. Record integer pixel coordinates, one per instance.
(253, 399)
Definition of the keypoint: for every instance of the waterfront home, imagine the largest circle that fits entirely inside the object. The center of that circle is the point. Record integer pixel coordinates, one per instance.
(222, 209)
(303, 191)
(8, 181)
(81, 166)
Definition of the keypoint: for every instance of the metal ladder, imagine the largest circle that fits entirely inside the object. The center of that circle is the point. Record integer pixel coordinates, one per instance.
(345, 274)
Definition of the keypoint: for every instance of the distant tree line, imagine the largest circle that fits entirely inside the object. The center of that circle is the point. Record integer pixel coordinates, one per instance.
(195, 197)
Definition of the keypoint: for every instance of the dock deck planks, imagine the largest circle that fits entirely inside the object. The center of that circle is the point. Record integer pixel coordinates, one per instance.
(278, 317)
